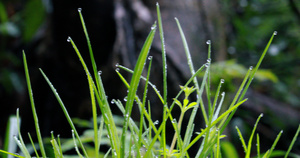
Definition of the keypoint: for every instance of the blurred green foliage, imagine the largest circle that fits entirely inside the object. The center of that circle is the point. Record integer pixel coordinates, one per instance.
(19, 23)
(251, 23)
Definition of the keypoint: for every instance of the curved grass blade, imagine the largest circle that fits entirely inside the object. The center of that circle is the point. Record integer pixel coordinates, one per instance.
(65, 112)
(134, 85)
(251, 137)
(35, 117)
(292, 143)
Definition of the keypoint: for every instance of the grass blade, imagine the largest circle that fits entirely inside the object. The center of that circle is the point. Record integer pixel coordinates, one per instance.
(275, 142)
(65, 112)
(293, 142)
(251, 137)
(134, 85)
(35, 117)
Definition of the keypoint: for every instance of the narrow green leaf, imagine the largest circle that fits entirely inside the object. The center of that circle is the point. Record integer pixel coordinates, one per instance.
(293, 142)
(251, 137)
(35, 117)
(134, 85)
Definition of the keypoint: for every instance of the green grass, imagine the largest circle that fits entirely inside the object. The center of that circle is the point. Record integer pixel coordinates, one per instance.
(147, 138)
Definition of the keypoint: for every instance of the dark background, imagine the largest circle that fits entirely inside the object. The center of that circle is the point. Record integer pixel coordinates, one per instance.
(239, 31)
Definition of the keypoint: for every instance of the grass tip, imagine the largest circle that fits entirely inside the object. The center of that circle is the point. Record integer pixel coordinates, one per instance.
(208, 42)
(69, 39)
(275, 33)
(261, 115)
(79, 10)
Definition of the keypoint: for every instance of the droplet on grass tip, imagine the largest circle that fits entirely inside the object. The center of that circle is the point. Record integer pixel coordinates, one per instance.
(153, 27)
(275, 33)
(222, 80)
(208, 42)
(112, 102)
(69, 39)
(251, 67)
(79, 9)
(99, 72)
(125, 99)
(149, 57)
(156, 122)
(223, 93)
(117, 69)
(261, 115)
(208, 60)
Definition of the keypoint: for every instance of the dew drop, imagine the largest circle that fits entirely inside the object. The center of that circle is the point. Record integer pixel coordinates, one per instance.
(208, 60)
(222, 80)
(174, 120)
(99, 72)
(117, 69)
(261, 115)
(150, 57)
(112, 102)
(153, 27)
(69, 39)
(79, 9)
(125, 99)
(156, 122)
(208, 42)
(223, 93)
(281, 131)
(275, 33)
(251, 67)
(207, 65)
(117, 64)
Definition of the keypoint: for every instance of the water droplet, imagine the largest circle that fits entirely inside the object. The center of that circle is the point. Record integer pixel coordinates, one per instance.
(150, 57)
(251, 67)
(261, 115)
(99, 72)
(222, 80)
(79, 9)
(69, 39)
(223, 93)
(117, 64)
(174, 120)
(107, 136)
(208, 42)
(117, 69)
(208, 60)
(112, 102)
(281, 131)
(156, 122)
(125, 99)
(275, 33)
(207, 65)
(153, 27)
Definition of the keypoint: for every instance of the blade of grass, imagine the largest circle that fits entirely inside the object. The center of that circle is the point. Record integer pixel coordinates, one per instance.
(242, 139)
(275, 142)
(35, 117)
(36, 153)
(257, 145)
(65, 112)
(20, 142)
(164, 66)
(134, 85)
(293, 142)
(12, 154)
(251, 137)
(75, 144)
(213, 123)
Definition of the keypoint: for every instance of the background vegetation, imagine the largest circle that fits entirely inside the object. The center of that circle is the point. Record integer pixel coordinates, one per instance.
(238, 30)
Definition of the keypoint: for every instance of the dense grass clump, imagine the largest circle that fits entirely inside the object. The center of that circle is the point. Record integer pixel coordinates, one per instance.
(147, 137)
